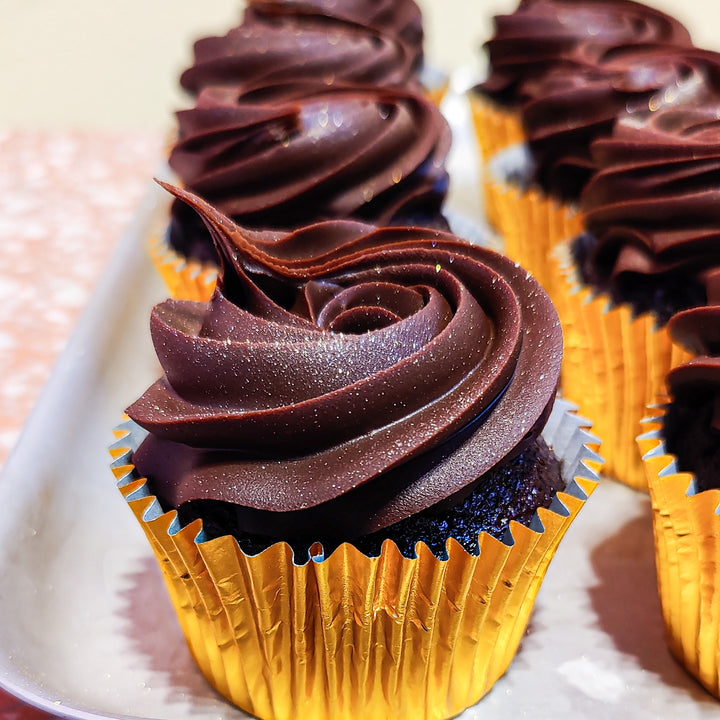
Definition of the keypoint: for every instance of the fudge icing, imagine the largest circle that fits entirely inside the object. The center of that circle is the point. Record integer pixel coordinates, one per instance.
(345, 377)
(254, 54)
(290, 154)
(346, 41)
(399, 18)
(692, 426)
(653, 207)
(567, 109)
(542, 35)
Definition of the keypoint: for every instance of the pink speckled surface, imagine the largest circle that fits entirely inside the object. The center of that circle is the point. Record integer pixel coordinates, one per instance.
(65, 199)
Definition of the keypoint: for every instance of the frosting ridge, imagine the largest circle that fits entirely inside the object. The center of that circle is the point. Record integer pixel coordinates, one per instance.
(348, 41)
(544, 35)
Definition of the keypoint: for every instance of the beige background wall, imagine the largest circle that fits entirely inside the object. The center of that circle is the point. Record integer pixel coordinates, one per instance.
(95, 63)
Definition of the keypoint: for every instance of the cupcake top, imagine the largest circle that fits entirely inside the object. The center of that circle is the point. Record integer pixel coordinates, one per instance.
(692, 423)
(567, 109)
(293, 40)
(256, 54)
(288, 155)
(652, 209)
(543, 35)
(401, 19)
(345, 377)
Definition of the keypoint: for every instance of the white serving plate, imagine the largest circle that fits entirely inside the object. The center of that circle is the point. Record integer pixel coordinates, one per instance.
(87, 629)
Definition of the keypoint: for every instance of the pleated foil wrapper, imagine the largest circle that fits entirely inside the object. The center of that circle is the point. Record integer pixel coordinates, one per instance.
(496, 127)
(185, 278)
(614, 365)
(350, 636)
(532, 223)
(687, 547)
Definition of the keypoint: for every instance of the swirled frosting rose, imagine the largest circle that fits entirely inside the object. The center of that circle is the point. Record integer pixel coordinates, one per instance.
(289, 155)
(653, 207)
(692, 424)
(343, 377)
(294, 40)
(543, 35)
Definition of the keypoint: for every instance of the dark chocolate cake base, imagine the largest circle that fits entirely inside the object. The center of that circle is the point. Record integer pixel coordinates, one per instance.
(513, 491)
(663, 296)
(689, 435)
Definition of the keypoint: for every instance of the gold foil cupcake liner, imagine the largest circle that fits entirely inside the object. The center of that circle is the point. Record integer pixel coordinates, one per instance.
(687, 547)
(496, 127)
(185, 278)
(615, 363)
(532, 223)
(352, 636)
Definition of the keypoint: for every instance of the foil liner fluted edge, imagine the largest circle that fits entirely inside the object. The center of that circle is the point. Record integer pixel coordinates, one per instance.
(350, 636)
(532, 223)
(614, 362)
(185, 278)
(686, 524)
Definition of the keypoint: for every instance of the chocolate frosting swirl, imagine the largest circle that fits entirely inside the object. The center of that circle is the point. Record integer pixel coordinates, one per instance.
(345, 377)
(544, 35)
(692, 427)
(348, 42)
(567, 109)
(288, 155)
(257, 54)
(401, 19)
(652, 207)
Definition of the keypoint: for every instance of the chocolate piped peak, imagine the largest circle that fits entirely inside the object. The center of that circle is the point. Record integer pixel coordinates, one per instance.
(381, 374)
(544, 35)
(293, 154)
(692, 424)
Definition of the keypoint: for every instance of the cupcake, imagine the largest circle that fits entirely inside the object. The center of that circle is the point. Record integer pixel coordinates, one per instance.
(349, 477)
(682, 461)
(651, 232)
(289, 155)
(597, 61)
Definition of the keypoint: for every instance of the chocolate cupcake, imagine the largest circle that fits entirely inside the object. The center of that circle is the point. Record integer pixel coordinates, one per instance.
(682, 460)
(651, 233)
(370, 398)
(595, 61)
